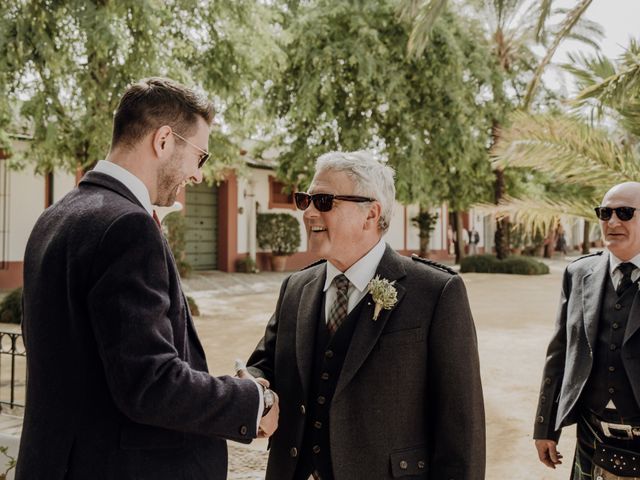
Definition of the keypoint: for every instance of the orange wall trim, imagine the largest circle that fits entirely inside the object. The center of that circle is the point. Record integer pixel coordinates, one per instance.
(228, 224)
(11, 277)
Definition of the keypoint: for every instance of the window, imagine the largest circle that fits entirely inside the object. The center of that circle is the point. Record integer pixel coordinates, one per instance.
(278, 198)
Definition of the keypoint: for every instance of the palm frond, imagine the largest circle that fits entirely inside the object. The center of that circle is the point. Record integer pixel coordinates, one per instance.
(617, 89)
(567, 148)
(538, 214)
(425, 13)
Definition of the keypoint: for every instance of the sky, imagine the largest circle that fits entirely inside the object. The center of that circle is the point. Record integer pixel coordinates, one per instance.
(620, 20)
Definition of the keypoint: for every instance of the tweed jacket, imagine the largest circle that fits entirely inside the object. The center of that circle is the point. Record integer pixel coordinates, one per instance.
(570, 353)
(118, 386)
(408, 402)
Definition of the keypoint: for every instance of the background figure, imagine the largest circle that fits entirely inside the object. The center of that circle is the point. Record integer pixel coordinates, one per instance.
(592, 373)
(118, 384)
(474, 240)
(367, 394)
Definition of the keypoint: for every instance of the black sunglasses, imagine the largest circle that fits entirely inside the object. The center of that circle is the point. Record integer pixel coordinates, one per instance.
(324, 201)
(202, 159)
(623, 213)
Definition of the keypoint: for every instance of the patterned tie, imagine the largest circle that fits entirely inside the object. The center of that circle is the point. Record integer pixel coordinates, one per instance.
(626, 269)
(340, 307)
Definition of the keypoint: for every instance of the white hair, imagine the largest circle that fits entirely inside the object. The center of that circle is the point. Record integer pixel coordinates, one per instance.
(371, 178)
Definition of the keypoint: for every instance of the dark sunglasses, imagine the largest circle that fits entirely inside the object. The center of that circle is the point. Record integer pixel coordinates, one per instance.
(623, 213)
(324, 201)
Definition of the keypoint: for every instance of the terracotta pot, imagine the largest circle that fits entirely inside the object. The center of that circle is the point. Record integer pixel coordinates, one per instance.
(278, 262)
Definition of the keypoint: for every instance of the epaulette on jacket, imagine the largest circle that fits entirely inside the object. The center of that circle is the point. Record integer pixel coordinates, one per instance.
(431, 263)
(588, 256)
(322, 260)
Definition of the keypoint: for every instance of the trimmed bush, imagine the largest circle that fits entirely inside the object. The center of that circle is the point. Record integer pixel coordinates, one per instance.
(279, 232)
(193, 306)
(514, 265)
(11, 307)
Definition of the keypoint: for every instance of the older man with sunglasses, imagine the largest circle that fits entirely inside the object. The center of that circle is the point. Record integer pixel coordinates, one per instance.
(592, 373)
(373, 354)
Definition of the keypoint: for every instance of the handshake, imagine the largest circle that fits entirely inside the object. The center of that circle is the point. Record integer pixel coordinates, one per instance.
(269, 421)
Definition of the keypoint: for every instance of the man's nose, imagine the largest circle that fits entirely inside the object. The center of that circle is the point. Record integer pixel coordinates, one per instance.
(197, 178)
(311, 211)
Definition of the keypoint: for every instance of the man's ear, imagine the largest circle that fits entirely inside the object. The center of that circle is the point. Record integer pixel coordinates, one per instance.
(163, 142)
(373, 215)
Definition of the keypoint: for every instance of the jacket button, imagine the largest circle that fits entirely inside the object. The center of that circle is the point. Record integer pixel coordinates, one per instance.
(540, 419)
(618, 306)
(547, 381)
(328, 354)
(316, 449)
(293, 452)
(615, 325)
(321, 400)
(317, 425)
(612, 390)
(243, 430)
(612, 368)
(612, 347)
(421, 464)
(543, 399)
(303, 410)
(324, 376)
(404, 465)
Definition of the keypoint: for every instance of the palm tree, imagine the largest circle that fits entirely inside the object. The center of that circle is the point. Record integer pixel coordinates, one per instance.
(581, 159)
(514, 27)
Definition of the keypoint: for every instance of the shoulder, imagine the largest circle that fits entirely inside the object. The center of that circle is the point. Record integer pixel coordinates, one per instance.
(585, 263)
(417, 260)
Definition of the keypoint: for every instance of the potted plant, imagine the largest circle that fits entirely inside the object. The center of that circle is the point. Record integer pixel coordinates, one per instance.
(279, 232)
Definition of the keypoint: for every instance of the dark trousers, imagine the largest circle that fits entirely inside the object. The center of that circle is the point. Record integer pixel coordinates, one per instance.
(589, 437)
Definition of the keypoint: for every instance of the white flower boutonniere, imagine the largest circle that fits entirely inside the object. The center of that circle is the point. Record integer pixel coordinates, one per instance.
(384, 294)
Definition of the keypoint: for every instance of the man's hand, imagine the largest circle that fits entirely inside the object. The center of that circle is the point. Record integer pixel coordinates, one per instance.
(269, 422)
(547, 453)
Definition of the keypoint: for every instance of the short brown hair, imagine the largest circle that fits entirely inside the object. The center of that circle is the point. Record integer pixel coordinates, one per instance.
(153, 102)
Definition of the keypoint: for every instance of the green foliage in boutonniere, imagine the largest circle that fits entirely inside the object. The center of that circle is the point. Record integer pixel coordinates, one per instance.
(384, 294)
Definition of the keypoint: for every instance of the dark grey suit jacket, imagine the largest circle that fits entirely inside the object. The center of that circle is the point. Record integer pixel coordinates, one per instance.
(409, 389)
(117, 379)
(570, 352)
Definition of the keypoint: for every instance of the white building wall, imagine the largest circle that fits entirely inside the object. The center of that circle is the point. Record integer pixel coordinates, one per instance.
(26, 203)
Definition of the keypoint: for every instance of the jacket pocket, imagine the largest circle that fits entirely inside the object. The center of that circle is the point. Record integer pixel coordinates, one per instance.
(409, 462)
(146, 437)
(402, 337)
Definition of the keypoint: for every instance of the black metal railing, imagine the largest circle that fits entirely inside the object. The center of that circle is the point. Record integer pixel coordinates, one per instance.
(13, 365)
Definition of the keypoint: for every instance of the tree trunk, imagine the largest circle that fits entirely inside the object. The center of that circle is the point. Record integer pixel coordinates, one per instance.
(503, 225)
(459, 240)
(586, 242)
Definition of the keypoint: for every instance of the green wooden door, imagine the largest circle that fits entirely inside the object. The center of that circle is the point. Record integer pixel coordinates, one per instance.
(202, 226)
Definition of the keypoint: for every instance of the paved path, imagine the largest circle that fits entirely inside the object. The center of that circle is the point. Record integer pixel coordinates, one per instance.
(514, 316)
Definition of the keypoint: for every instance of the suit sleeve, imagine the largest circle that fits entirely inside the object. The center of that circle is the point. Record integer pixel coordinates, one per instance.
(261, 363)
(553, 371)
(128, 304)
(456, 412)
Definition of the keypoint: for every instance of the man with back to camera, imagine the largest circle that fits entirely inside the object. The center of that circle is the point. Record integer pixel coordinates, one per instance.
(374, 354)
(118, 384)
(592, 372)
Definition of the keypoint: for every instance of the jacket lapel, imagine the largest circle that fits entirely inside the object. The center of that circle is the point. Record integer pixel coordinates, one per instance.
(593, 287)
(307, 320)
(367, 331)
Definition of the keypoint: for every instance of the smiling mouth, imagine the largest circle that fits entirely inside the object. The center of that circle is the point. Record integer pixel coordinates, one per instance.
(318, 229)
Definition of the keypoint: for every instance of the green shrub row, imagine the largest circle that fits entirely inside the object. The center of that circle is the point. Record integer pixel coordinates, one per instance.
(11, 307)
(515, 264)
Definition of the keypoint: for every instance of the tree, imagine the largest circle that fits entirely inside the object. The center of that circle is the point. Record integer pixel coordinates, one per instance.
(66, 63)
(513, 27)
(583, 159)
(349, 85)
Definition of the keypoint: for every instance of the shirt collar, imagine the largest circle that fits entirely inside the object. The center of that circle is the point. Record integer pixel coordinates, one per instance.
(360, 273)
(615, 261)
(133, 183)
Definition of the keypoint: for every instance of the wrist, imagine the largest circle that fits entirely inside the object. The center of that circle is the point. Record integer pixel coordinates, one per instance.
(268, 399)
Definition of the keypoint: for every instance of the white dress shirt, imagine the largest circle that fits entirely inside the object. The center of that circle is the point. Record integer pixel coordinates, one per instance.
(140, 191)
(616, 274)
(133, 183)
(359, 275)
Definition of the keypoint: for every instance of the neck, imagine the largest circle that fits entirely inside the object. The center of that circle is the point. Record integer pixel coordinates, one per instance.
(139, 165)
(345, 263)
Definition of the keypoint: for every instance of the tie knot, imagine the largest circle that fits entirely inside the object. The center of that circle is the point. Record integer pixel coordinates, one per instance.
(342, 283)
(626, 268)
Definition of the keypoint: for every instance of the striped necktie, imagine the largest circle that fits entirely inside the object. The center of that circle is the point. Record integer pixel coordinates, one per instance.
(339, 309)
